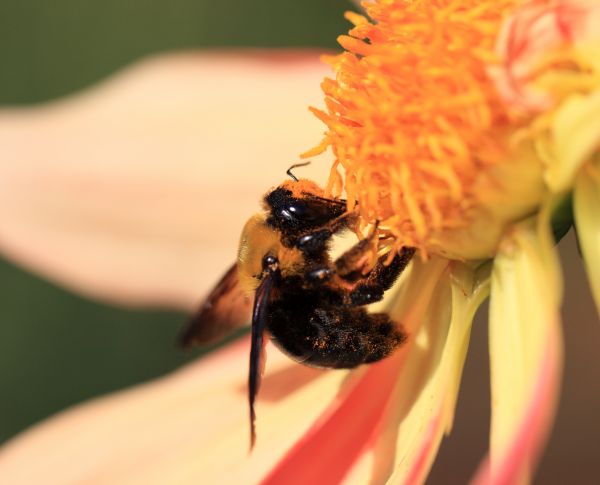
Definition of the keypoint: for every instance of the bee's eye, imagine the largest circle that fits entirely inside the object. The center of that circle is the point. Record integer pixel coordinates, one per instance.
(269, 262)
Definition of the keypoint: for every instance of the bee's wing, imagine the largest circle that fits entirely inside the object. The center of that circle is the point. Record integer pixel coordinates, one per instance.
(257, 349)
(227, 308)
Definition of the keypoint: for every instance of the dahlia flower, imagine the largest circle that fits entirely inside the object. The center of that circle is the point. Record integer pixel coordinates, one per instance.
(463, 129)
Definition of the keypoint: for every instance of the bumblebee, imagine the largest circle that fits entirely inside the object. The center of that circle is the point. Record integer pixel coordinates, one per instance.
(311, 306)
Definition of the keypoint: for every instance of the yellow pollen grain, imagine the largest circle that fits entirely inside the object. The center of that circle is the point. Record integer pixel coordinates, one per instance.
(411, 114)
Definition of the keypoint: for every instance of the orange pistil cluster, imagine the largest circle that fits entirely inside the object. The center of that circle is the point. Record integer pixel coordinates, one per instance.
(412, 116)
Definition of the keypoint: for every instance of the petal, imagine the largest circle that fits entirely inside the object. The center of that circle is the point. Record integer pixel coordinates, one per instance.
(524, 37)
(135, 190)
(528, 45)
(427, 390)
(190, 427)
(348, 428)
(586, 202)
(365, 440)
(576, 135)
(525, 351)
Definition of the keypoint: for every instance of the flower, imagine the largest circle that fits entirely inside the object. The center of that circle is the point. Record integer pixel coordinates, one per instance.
(461, 128)
(474, 187)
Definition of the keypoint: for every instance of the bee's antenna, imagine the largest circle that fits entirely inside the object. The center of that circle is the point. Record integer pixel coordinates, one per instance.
(289, 170)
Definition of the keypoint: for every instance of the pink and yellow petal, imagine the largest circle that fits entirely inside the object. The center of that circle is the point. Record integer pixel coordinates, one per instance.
(433, 372)
(201, 416)
(586, 206)
(544, 50)
(525, 351)
(436, 303)
(189, 427)
(372, 400)
(402, 449)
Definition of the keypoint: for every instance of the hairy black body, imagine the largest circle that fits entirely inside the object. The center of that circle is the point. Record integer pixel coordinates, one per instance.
(313, 329)
(312, 307)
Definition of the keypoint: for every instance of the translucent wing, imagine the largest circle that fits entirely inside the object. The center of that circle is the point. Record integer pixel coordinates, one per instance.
(227, 308)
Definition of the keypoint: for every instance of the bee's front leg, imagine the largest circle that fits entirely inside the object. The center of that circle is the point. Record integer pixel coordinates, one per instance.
(351, 264)
(316, 242)
(318, 275)
(372, 287)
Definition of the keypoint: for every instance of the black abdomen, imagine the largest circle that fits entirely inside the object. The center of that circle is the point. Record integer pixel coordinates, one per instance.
(331, 336)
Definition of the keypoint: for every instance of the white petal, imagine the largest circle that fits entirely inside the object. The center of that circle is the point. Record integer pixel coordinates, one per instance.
(136, 190)
(188, 428)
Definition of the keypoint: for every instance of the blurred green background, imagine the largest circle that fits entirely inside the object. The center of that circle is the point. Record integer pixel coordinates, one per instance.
(57, 349)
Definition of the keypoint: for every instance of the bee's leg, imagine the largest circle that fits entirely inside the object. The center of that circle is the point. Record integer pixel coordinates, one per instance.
(314, 243)
(351, 262)
(371, 288)
(318, 275)
(343, 222)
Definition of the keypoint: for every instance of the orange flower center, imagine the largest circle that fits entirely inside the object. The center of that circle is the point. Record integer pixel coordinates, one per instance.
(412, 116)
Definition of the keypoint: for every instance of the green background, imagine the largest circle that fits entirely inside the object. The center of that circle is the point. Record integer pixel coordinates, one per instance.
(57, 349)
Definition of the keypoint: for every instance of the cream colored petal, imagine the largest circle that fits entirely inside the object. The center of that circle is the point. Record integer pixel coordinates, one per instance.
(425, 293)
(525, 351)
(576, 135)
(188, 428)
(430, 381)
(135, 191)
(437, 303)
(586, 205)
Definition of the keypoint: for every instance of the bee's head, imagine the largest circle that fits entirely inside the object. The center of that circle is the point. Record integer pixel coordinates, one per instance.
(297, 206)
(292, 209)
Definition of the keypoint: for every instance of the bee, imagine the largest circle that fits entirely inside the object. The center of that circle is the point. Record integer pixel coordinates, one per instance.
(311, 306)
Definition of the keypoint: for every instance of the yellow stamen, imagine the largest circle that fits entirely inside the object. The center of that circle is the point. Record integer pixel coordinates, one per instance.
(412, 116)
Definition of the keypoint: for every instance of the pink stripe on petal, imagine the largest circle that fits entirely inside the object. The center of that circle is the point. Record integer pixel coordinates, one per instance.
(528, 36)
(326, 453)
(535, 426)
(428, 448)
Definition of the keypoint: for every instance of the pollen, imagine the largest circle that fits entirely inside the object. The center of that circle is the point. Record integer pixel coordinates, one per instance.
(412, 118)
